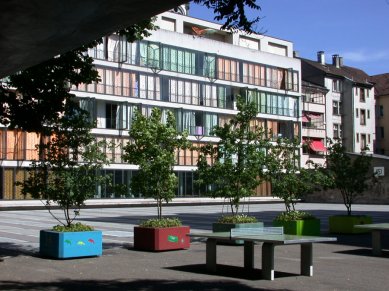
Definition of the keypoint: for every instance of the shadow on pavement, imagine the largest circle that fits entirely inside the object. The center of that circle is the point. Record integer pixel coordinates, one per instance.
(144, 285)
(14, 250)
(229, 272)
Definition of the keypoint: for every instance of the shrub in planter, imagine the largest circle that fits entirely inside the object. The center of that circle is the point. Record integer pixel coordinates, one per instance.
(153, 149)
(238, 160)
(344, 224)
(298, 223)
(61, 180)
(161, 235)
(350, 177)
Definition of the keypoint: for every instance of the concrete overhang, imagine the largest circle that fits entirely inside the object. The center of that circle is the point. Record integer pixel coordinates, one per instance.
(32, 31)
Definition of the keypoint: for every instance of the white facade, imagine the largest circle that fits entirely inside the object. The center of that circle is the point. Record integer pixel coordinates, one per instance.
(195, 70)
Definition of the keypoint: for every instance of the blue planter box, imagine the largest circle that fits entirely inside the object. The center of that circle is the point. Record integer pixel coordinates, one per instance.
(64, 245)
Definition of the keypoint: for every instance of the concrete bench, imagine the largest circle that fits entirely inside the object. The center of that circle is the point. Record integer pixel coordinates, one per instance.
(376, 229)
(270, 241)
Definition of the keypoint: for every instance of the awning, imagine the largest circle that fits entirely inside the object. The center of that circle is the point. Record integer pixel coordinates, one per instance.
(304, 119)
(314, 116)
(317, 146)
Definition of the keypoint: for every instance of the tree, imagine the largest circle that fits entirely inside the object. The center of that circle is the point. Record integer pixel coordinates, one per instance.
(237, 159)
(153, 146)
(36, 97)
(69, 172)
(349, 176)
(288, 181)
(233, 11)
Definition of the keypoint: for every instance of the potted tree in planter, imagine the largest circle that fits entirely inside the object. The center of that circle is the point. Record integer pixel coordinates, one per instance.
(290, 183)
(237, 159)
(65, 176)
(350, 177)
(153, 146)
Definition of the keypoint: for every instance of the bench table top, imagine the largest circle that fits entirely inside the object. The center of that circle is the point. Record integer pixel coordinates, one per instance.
(279, 239)
(373, 226)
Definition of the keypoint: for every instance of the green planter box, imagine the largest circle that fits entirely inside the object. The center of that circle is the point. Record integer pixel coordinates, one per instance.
(226, 227)
(300, 227)
(344, 224)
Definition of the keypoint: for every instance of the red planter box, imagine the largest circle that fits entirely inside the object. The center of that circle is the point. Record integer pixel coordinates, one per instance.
(161, 239)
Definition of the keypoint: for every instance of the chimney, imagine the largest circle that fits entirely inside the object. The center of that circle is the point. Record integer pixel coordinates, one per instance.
(336, 61)
(321, 57)
(341, 61)
(296, 54)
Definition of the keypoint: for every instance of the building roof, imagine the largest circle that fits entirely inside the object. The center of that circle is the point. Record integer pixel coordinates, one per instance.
(381, 86)
(354, 74)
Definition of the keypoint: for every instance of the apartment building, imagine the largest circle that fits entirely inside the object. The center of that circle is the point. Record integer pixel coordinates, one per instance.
(381, 90)
(189, 67)
(313, 122)
(349, 105)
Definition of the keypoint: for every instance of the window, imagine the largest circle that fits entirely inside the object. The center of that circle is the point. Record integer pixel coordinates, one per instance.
(381, 113)
(362, 95)
(150, 54)
(363, 117)
(337, 130)
(179, 60)
(337, 85)
(357, 137)
(368, 114)
(228, 69)
(382, 132)
(116, 116)
(336, 107)
(110, 115)
(363, 142)
(254, 74)
(149, 87)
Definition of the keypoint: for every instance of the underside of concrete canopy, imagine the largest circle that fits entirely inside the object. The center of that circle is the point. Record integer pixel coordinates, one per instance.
(35, 30)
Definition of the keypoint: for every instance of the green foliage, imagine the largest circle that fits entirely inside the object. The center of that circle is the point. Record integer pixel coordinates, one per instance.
(67, 173)
(153, 148)
(290, 182)
(240, 218)
(161, 222)
(294, 215)
(42, 91)
(238, 158)
(139, 30)
(73, 227)
(349, 176)
(233, 12)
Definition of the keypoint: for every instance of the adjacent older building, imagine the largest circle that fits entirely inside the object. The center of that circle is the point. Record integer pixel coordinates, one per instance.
(382, 113)
(349, 102)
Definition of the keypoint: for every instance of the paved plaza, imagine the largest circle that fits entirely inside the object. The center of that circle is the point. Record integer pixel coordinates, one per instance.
(344, 265)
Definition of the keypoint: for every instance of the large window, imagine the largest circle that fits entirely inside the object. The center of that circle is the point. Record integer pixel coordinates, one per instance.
(179, 60)
(254, 74)
(228, 69)
(116, 116)
(149, 87)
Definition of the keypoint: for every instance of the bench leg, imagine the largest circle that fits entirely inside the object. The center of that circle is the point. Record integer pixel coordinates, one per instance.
(210, 255)
(249, 255)
(306, 260)
(376, 242)
(268, 261)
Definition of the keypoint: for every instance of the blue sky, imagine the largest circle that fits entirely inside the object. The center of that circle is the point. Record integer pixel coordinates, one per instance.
(357, 30)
